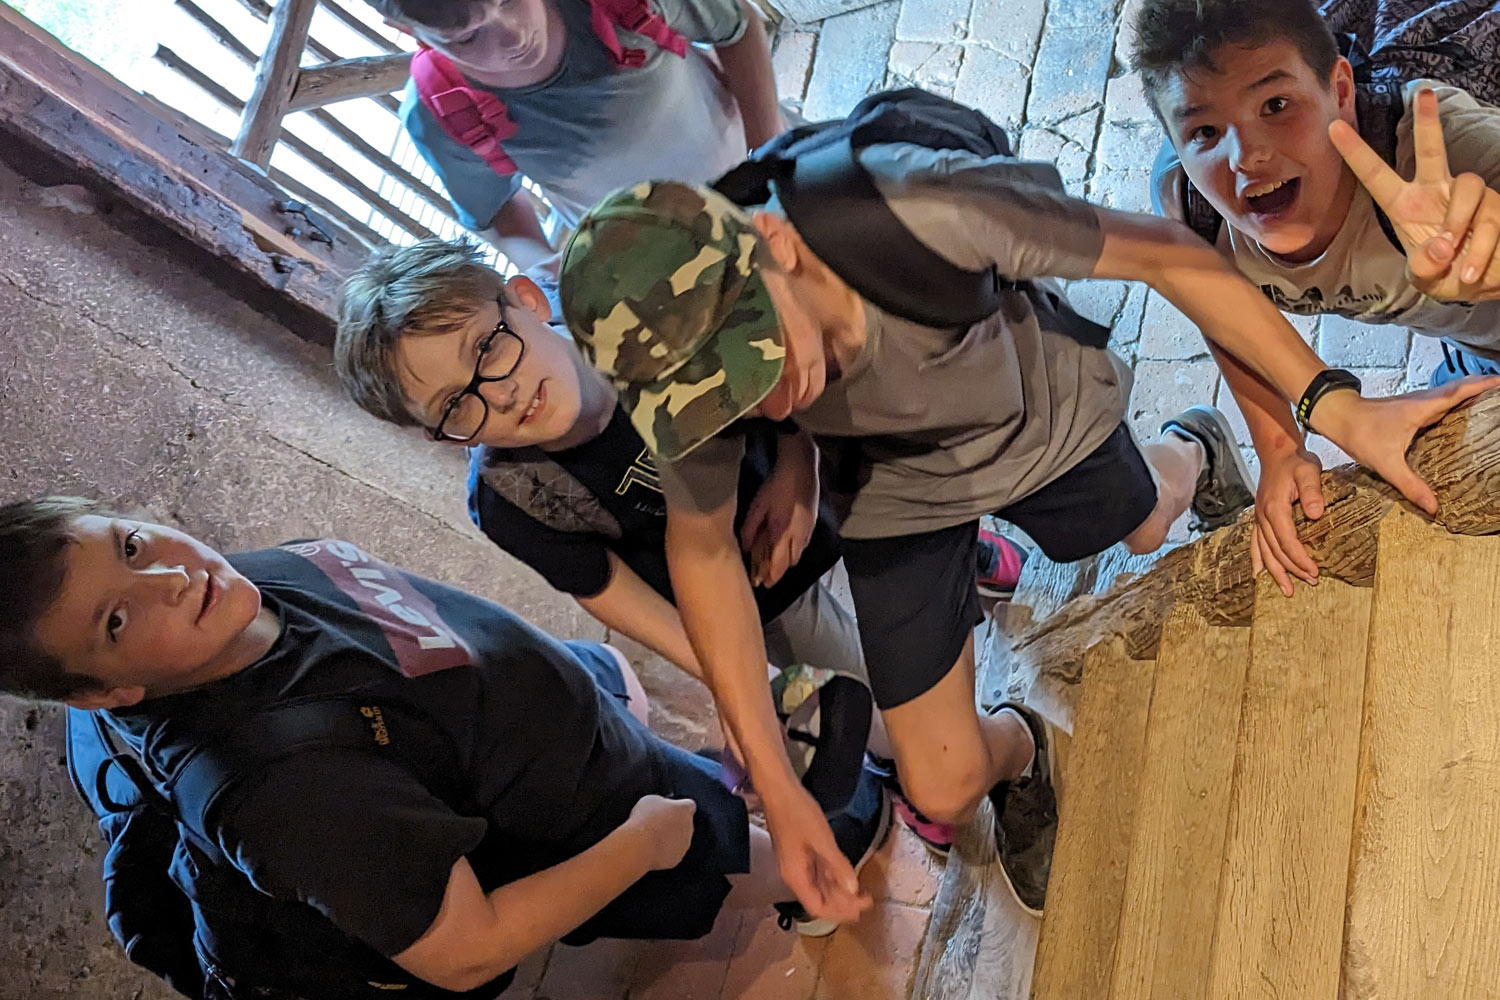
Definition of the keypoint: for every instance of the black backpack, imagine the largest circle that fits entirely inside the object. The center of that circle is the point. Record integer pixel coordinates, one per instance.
(1379, 103)
(183, 911)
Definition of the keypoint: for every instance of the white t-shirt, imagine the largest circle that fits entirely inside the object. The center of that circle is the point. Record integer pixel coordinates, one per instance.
(1362, 275)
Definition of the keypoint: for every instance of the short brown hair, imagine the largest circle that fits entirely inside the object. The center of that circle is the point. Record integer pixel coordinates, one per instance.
(443, 15)
(1179, 36)
(34, 538)
(433, 286)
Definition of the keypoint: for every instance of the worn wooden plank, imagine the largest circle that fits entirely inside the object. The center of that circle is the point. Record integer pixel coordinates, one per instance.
(1460, 458)
(353, 22)
(1424, 902)
(347, 79)
(54, 100)
(275, 78)
(1279, 928)
(1075, 955)
(1172, 889)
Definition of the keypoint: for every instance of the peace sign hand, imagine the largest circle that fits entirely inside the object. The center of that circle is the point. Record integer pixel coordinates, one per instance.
(1449, 226)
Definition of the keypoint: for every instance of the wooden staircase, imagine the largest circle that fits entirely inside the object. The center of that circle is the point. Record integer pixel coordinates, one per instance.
(1262, 796)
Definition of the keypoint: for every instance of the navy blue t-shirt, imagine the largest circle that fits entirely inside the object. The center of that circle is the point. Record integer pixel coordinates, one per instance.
(620, 472)
(551, 763)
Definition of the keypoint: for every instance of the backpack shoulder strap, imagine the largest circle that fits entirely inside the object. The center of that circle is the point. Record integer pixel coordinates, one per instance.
(209, 770)
(471, 116)
(1378, 107)
(530, 480)
(1200, 216)
(637, 16)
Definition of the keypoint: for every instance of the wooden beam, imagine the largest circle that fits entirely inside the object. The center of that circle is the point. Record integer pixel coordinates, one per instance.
(295, 143)
(220, 34)
(57, 102)
(1459, 457)
(347, 79)
(275, 78)
(359, 27)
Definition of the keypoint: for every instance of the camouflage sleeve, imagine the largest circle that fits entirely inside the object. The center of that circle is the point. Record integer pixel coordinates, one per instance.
(707, 477)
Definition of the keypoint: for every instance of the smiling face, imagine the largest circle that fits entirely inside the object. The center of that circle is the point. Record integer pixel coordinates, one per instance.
(540, 404)
(1252, 134)
(501, 37)
(147, 609)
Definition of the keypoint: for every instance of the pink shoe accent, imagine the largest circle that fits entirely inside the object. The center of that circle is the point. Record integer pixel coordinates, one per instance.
(999, 564)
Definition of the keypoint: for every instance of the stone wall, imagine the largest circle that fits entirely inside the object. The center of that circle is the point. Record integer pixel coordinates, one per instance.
(128, 374)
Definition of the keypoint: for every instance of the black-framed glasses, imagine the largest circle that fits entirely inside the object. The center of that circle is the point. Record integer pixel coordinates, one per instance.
(500, 354)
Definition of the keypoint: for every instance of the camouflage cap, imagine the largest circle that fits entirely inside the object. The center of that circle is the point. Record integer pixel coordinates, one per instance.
(661, 289)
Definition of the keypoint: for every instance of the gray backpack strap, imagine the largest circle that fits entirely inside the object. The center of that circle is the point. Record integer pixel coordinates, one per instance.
(546, 492)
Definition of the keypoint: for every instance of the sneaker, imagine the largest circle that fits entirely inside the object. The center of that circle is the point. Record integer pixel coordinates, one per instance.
(1000, 562)
(936, 837)
(1224, 488)
(1026, 820)
(860, 828)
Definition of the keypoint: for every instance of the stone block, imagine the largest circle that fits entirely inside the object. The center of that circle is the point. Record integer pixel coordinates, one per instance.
(933, 20)
(875, 958)
(927, 65)
(688, 970)
(1072, 68)
(809, 11)
(770, 964)
(1101, 301)
(1128, 145)
(792, 63)
(1163, 388)
(1071, 159)
(1013, 29)
(851, 59)
(994, 84)
(1125, 102)
(903, 871)
(1347, 343)
(1425, 354)
(1126, 190)
(1081, 14)
(1168, 335)
(598, 971)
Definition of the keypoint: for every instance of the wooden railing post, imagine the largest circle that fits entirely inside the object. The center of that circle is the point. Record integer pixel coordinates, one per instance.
(275, 79)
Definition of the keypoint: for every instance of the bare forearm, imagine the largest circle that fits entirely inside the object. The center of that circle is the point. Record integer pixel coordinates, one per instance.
(747, 70)
(517, 232)
(1230, 311)
(722, 622)
(1267, 413)
(628, 605)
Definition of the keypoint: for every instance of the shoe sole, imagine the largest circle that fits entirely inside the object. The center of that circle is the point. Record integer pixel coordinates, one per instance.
(823, 928)
(1049, 730)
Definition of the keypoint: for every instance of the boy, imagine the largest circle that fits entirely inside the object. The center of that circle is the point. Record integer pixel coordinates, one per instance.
(585, 125)
(412, 322)
(571, 831)
(703, 315)
(1249, 95)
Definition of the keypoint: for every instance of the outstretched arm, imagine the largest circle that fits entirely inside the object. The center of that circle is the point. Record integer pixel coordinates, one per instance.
(747, 70)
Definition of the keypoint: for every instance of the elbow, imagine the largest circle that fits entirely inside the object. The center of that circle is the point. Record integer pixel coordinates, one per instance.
(463, 978)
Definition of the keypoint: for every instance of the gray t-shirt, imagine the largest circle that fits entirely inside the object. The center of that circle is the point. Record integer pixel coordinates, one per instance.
(1362, 275)
(959, 423)
(593, 127)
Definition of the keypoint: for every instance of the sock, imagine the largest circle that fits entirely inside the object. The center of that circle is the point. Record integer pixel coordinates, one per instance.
(1031, 763)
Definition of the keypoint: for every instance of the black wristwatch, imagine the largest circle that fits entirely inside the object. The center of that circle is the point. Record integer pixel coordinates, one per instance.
(1323, 383)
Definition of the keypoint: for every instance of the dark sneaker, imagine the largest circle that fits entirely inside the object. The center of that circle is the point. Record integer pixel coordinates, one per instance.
(936, 837)
(1000, 561)
(1026, 820)
(1224, 488)
(860, 828)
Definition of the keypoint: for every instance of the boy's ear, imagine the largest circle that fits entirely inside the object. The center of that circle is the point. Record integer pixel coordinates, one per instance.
(1341, 80)
(780, 238)
(96, 698)
(530, 295)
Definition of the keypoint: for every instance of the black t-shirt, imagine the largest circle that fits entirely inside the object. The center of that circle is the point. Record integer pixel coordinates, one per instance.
(620, 472)
(551, 763)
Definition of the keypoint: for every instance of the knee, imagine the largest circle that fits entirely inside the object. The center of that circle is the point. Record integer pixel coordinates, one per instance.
(1147, 538)
(947, 797)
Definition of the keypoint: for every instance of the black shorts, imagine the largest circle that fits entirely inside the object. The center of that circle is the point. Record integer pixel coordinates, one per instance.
(682, 902)
(914, 595)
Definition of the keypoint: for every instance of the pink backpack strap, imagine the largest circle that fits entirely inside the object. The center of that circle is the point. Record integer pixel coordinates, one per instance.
(636, 16)
(473, 117)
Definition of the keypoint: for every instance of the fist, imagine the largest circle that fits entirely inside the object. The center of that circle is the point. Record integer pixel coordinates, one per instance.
(667, 826)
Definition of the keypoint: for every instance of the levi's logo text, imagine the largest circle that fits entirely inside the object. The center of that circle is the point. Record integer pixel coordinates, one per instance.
(422, 641)
(377, 724)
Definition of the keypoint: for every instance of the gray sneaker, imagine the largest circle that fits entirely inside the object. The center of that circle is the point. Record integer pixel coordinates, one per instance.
(1224, 488)
(1026, 820)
